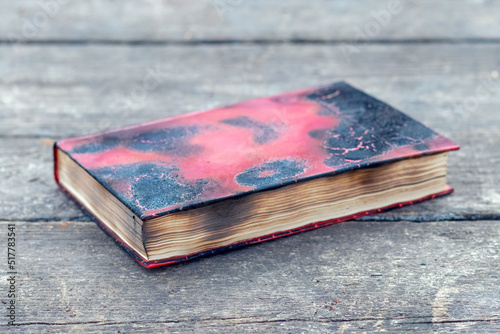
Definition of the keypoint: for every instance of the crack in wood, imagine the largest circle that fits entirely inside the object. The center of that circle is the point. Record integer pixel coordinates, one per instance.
(453, 321)
(250, 322)
(431, 218)
(255, 41)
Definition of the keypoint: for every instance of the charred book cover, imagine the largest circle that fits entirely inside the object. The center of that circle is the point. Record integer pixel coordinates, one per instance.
(204, 182)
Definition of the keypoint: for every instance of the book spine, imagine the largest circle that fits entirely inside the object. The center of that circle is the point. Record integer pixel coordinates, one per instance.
(110, 233)
(56, 167)
(144, 262)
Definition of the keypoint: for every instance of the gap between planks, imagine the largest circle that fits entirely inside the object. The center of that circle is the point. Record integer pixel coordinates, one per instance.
(166, 42)
(249, 321)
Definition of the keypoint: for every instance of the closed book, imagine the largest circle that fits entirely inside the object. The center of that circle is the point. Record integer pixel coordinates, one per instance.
(210, 181)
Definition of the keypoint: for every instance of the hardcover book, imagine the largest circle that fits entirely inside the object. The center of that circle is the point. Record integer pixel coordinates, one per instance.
(209, 181)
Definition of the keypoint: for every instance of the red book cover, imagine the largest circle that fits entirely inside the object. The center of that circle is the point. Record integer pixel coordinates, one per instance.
(184, 162)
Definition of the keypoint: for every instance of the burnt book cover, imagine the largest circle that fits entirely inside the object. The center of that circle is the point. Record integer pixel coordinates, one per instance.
(184, 162)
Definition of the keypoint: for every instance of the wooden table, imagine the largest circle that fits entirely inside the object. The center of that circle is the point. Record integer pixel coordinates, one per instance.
(81, 69)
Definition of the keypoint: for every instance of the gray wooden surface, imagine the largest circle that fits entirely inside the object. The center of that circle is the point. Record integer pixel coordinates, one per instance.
(428, 267)
(351, 277)
(257, 20)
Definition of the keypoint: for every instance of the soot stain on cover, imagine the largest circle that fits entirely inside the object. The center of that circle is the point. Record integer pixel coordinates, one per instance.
(270, 173)
(262, 133)
(420, 147)
(367, 126)
(174, 140)
(104, 144)
(152, 186)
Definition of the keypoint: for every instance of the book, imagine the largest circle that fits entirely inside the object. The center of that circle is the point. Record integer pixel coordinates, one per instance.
(215, 180)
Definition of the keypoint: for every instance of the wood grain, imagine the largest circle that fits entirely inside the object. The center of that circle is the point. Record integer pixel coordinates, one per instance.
(350, 277)
(237, 20)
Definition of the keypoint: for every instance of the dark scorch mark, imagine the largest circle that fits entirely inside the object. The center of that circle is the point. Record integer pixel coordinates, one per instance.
(169, 140)
(270, 173)
(285, 99)
(367, 127)
(173, 141)
(152, 186)
(221, 217)
(262, 133)
(102, 144)
(420, 147)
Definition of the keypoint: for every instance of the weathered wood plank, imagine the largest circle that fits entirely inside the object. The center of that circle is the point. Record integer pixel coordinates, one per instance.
(57, 93)
(68, 91)
(28, 189)
(350, 277)
(246, 20)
